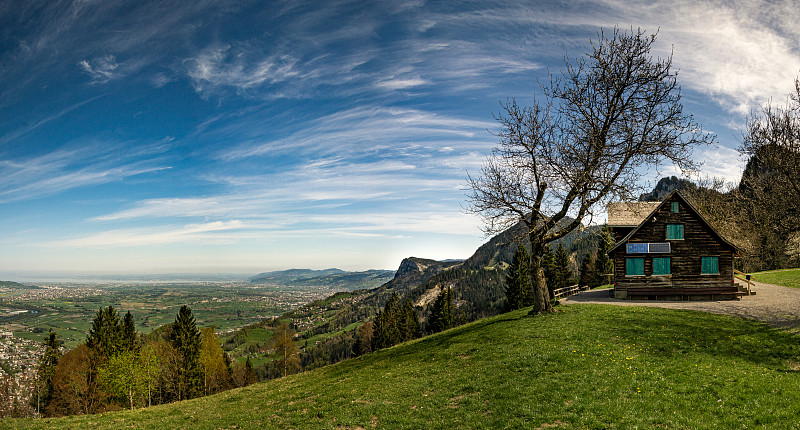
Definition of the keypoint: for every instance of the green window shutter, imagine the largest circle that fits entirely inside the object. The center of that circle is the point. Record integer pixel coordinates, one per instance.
(661, 266)
(634, 266)
(674, 231)
(709, 266)
(674, 207)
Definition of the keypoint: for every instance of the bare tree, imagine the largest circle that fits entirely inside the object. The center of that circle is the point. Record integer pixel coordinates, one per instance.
(773, 141)
(602, 123)
(771, 181)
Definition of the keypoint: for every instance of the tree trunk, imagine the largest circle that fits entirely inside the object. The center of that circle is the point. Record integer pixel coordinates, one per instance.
(541, 295)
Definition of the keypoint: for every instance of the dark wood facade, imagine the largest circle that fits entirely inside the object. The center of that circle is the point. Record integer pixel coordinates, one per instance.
(650, 258)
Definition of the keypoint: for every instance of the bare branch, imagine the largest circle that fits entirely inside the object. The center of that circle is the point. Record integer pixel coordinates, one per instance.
(602, 121)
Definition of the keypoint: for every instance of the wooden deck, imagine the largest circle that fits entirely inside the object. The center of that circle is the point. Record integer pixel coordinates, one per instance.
(686, 293)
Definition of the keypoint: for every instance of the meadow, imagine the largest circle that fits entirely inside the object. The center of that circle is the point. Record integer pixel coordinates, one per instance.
(785, 277)
(585, 366)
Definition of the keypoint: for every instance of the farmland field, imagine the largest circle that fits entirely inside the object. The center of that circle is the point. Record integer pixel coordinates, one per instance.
(31, 311)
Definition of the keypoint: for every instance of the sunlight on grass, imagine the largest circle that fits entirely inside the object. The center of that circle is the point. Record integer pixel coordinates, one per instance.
(786, 278)
(586, 366)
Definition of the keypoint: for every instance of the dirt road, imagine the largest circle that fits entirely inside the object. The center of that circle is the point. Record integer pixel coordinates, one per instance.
(774, 305)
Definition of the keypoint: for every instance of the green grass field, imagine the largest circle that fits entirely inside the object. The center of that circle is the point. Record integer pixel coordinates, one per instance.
(786, 278)
(587, 366)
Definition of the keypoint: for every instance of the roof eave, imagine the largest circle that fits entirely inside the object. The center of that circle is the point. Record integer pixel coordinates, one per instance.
(691, 206)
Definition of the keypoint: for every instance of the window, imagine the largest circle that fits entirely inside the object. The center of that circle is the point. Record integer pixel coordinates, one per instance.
(661, 266)
(648, 248)
(709, 266)
(674, 207)
(674, 231)
(637, 248)
(659, 248)
(634, 266)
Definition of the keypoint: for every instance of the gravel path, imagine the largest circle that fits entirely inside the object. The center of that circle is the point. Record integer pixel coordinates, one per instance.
(774, 305)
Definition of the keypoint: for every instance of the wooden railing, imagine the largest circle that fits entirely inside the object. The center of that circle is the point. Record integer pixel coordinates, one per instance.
(568, 291)
(744, 277)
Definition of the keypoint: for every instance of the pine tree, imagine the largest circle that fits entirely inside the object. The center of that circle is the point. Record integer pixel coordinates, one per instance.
(185, 338)
(44, 375)
(392, 323)
(441, 315)
(389, 324)
(604, 265)
(549, 267)
(228, 364)
(379, 332)
(410, 322)
(105, 334)
(128, 338)
(249, 373)
(518, 282)
(588, 274)
(563, 269)
(103, 342)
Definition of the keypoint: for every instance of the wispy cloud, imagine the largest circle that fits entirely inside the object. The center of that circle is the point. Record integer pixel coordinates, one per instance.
(289, 197)
(722, 162)
(101, 69)
(319, 120)
(739, 61)
(64, 169)
(240, 68)
(401, 84)
(742, 53)
(398, 225)
(192, 233)
(370, 130)
(10, 137)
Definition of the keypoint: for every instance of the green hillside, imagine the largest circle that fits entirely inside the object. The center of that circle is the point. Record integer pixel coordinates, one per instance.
(282, 277)
(350, 280)
(587, 366)
(12, 284)
(334, 278)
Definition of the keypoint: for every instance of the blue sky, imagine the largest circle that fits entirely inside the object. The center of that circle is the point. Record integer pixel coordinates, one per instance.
(223, 136)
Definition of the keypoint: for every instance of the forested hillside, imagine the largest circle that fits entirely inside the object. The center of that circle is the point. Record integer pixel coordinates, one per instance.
(334, 278)
(339, 327)
(478, 284)
(291, 275)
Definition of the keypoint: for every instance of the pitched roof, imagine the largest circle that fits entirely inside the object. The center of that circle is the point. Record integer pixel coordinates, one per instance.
(655, 209)
(629, 214)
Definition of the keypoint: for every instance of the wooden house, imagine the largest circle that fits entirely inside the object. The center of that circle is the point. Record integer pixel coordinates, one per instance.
(667, 250)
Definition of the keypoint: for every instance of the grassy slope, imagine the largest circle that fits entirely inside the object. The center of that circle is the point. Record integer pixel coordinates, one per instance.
(590, 366)
(787, 278)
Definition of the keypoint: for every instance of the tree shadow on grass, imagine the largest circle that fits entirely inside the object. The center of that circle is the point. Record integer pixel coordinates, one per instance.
(670, 333)
(438, 343)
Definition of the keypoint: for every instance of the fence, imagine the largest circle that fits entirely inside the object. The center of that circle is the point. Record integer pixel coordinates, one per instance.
(568, 291)
(743, 277)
